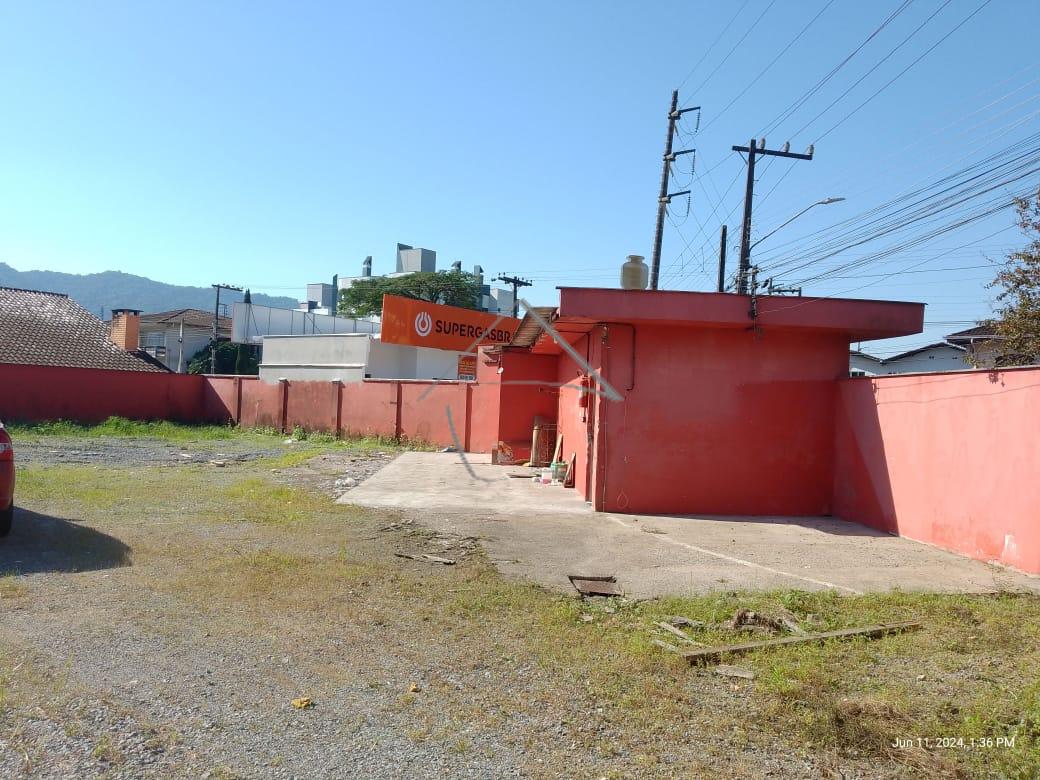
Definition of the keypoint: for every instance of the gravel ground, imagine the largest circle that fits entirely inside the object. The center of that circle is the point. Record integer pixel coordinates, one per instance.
(122, 657)
(122, 451)
(129, 682)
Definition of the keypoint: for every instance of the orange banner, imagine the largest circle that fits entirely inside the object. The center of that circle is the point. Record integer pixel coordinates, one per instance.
(424, 324)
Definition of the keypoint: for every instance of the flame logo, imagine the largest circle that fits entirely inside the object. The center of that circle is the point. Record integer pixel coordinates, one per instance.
(423, 324)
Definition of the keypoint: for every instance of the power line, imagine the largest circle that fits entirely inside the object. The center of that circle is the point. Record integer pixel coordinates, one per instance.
(899, 75)
(996, 170)
(714, 43)
(772, 62)
(878, 174)
(876, 65)
(722, 62)
(790, 110)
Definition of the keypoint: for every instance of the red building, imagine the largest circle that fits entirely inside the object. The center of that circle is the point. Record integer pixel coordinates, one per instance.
(691, 405)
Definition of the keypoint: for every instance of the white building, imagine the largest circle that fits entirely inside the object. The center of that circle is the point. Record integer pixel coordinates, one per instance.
(351, 358)
(251, 323)
(862, 364)
(927, 359)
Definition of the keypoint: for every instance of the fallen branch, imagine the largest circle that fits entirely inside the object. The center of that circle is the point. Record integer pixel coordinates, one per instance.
(712, 655)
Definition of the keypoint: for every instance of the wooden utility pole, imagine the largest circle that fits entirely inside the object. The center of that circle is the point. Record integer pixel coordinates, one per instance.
(216, 319)
(722, 260)
(517, 283)
(754, 150)
(664, 197)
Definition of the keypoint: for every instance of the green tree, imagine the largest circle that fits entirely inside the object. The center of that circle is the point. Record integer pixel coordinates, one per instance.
(242, 360)
(452, 288)
(228, 356)
(1018, 318)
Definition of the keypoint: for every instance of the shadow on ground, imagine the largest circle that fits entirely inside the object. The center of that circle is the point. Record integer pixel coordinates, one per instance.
(42, 543)
(828, 525)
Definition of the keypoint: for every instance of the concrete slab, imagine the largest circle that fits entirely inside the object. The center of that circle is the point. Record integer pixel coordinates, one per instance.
(544, 533)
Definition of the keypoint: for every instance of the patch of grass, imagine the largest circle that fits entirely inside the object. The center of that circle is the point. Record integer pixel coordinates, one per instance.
(306, 587)
(295, 457)
(122, 427)
(89, 489)
(256, 500)
(105, 750)
(11, 587)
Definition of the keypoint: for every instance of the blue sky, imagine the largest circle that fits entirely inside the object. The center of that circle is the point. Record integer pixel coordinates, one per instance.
(273, 145)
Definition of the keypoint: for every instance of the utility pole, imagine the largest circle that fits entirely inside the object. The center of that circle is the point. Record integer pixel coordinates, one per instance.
(517, 282)
(754, 150)
(722, 260)
(180, 348)
(664, 198)
(216, 319)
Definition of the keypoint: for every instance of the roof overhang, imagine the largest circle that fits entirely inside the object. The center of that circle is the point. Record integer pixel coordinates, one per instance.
(857, 320)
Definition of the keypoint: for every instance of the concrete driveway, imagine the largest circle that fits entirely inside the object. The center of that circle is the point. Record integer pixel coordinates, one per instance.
(544, 533)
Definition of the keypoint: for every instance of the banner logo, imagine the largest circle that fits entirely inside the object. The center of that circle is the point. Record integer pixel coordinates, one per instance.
(423, 324)
(436, 326)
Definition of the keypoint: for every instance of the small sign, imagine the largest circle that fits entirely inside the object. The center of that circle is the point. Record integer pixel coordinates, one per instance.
(468, 367)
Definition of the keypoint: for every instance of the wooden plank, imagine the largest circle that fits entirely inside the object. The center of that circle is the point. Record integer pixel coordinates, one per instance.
(588, 585)
(426, 557)
(665, 646)
(712, 655)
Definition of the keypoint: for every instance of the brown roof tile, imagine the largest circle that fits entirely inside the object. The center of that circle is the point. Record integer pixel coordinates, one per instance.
(49, 329)
(529, 330)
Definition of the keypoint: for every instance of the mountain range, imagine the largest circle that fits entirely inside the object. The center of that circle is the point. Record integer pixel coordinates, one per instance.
(101, 292)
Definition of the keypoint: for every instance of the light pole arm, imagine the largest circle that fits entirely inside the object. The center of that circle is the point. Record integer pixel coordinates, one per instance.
(785, 224)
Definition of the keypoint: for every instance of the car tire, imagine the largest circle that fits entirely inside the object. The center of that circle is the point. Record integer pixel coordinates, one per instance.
(6, 516)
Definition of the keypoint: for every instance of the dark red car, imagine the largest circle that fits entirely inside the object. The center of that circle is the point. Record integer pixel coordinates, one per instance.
(6, 482)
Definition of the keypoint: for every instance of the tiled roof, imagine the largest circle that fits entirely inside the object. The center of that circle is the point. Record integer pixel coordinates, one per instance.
(193, 318)
(925, 348)
(528, 331)
(984, 331)
(50, 329)
(858, 353)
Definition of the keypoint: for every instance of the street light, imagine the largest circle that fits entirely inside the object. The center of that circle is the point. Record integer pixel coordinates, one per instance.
(824, 202)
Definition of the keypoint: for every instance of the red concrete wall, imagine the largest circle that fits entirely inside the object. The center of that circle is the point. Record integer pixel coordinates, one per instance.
(220, 397)
(534, 394)
(261, 405)
(369, 409)
(485, 404)
(574, 421)
(715, 421)
(313, 406)
(950, 459)
(425, 411)
(34, 393)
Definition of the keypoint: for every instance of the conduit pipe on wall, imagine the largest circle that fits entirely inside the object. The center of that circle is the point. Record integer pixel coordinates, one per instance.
(632, 370)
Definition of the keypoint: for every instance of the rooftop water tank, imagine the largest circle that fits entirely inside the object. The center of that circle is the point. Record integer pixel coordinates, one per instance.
(634, 273)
